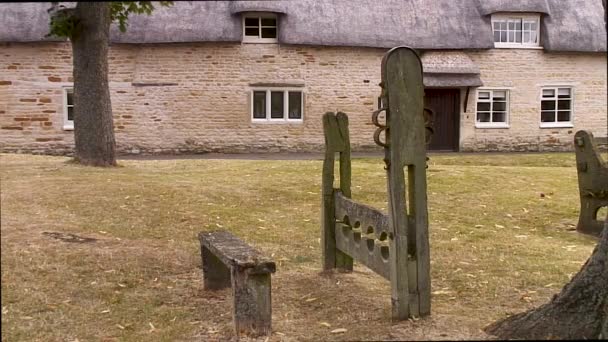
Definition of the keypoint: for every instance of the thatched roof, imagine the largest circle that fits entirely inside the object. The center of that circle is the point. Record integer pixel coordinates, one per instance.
(567, 25)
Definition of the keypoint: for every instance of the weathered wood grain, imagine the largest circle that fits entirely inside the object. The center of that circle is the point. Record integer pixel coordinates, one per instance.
(230, 262)
(359, 250)
(403, 96)
(335, 128)
(357, 212)
(233, 251)
(592, 173)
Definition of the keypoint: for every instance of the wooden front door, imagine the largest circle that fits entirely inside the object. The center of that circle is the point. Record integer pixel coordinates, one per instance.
(445, 103)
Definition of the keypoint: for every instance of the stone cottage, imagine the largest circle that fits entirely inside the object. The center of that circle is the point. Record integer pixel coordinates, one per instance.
(239, 76)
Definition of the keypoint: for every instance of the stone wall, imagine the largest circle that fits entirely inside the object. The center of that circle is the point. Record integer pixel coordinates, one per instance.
(524, 72)
(195, 97)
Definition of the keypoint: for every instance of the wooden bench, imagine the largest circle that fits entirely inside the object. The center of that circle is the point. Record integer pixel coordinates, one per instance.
(229, 262)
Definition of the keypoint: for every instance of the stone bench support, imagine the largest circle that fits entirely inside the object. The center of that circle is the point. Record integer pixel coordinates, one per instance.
(230, 262)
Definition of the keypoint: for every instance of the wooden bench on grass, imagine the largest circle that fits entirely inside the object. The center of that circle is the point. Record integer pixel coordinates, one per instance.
(230, 262)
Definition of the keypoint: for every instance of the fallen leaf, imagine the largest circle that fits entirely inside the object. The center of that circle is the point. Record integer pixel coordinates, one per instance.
(338, 331)
(499, 226)
(442, 292)
(521, 236)
(325, 324)
(120, 327)
(310, 300)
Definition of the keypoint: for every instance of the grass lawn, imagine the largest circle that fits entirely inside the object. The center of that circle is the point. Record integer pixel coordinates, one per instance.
(497, 246)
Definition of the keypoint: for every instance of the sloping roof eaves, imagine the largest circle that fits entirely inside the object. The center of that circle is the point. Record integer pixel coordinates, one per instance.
(567, 25)
(487, 7)
(25, 22)
(574, 25)
(188, 21)
(422, 24)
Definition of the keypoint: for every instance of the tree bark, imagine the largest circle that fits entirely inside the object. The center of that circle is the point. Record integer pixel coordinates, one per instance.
(579, 311)
(93, 122)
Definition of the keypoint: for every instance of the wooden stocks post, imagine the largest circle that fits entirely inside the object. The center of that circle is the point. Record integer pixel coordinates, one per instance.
(405, 151)
(396, 246)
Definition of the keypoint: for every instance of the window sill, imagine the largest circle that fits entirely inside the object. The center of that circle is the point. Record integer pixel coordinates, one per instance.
(277, 121)
(518, 46)
(68, 127)
(496, 125)
(557, 125)
(272, 41)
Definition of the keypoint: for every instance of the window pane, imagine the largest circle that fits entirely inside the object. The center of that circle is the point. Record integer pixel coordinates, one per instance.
(484, 95)
(563, 116)
(70, 97)
(563, 104)
(500, 95)
(496, 36)
(547, 116)
(511, 36)
(511, 25)
(563, 92)
(269, 22)
(548, 92)
(533, 37)
(499, 117)
(527, 37)
(483, 117)
(483, 106)
(276, 105)
(501, 106)
(526, 26)
(533, 25)
(295, 105)
(503, 36)
(269, 32)
(252, 31)
(518, 25)
(518, 36)
(259, 105)
(496, 25)
(547, 105)
(252, 22)
(71, 113)
(503, 25)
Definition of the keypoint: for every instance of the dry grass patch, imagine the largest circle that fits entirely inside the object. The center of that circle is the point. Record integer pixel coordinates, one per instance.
(497, 246)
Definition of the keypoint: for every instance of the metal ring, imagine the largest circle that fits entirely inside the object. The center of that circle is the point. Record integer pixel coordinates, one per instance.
(375, 117)
(377, 137)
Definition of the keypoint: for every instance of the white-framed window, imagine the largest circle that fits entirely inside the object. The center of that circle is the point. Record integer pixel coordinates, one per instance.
(68, 108)
(492, 108)
(260, 28)
(277, 105)
(556, 106)
(516, 30)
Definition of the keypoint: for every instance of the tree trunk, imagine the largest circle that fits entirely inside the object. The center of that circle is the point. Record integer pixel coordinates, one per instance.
(579, 311)
(93, 123)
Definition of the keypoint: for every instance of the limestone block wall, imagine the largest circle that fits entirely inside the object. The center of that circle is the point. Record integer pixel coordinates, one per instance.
(195, 97)
(524, 72)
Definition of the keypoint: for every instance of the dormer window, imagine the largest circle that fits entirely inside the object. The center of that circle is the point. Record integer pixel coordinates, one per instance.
(516, 30)
(260, 28)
